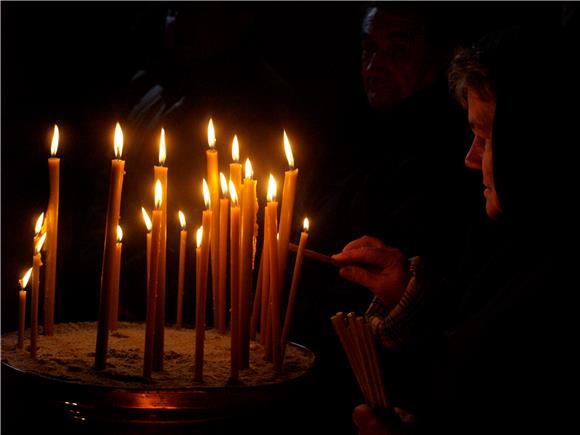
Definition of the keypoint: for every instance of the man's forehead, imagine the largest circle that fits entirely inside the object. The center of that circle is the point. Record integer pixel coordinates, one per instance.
(389, 21)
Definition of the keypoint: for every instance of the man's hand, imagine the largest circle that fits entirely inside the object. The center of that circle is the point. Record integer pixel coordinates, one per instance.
(371, 423)
(372, 264)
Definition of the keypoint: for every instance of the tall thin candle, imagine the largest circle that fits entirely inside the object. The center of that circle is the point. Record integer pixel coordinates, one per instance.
(234, 281)
(181, 271)
(52, 235)
(36, 263)
(160, 173)
(153, 282)
(236, 166)
(113, 212)
(149, 226)
(223, 256)
(214, 234)
(22, 307)
(114, 316)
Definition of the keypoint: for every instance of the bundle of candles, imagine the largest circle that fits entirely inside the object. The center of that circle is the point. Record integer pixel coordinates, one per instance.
(360, 347)
(229, 229)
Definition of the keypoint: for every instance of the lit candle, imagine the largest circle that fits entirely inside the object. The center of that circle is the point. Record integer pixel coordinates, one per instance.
(213, 183)
(153, 282)
(201, 283)
(36, 263)
(265, 260)
(149, 225)
(181, 276)
(234, 281)
(22, 307)
(160, 173)
(223, 256)
(294, 286)
(246, 254)
(52, 232)
(113, 212)
(236, 166)
(274, 294)
(114, 316)
(39, 229)
(287, 208)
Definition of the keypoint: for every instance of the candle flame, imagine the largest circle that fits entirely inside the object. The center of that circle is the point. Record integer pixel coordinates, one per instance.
(271, 196)
(210, 134)
(235, 149)
(54, 145)
(118, 141)
(39, 222)
(24, 280)
(147, 219)
(158, 194)
(199, 236)
(249, 172)
(119, 234)
(306, 224)
(233, 194)
(224, 184)
(181, 219)
(162, 150)
(39, 244)
(206, 195)
(288, 151)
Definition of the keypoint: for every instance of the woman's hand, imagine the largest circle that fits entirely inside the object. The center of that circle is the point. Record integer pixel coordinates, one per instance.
(372, 264)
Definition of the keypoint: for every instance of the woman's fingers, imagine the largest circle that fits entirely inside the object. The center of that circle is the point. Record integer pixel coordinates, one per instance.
(374, 256)
(364, 241)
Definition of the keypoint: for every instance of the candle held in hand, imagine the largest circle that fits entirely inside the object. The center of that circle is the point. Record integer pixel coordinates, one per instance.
(52, 235)
(113, 213)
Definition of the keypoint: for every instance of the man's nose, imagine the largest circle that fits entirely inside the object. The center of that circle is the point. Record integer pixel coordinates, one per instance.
(473, 157)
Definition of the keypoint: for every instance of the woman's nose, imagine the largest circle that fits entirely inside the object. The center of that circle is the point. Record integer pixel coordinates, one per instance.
(473, 157)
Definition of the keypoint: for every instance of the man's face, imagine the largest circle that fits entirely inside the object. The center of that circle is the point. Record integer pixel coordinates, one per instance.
(480, 115)
(395, 57)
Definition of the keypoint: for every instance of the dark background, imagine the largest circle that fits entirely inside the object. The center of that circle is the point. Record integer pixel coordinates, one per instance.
(71, 63)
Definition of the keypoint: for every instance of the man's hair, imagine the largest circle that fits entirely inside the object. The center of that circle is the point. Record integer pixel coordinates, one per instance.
(468, 71)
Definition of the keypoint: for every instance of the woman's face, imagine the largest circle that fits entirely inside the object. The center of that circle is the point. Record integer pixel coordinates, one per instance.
(480, 115)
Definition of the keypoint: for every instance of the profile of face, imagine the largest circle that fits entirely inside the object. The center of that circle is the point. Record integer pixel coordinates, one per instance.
(397, 57)
(480, 116)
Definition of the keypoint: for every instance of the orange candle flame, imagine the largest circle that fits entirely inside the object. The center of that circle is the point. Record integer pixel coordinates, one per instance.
(162, 150)
(119, 234)
(158, 194)
(118, 141)
(235, 149)
(210, 134)
(224, 184)
(249, 172)
(24, 280)
(288, 151)
(206, 195)
(233, 194)
(181, 219)
(54, 145)
(147, 219)
(39, 244)
(39, 222)
(199, 236)
(271, 196)
(306, 225)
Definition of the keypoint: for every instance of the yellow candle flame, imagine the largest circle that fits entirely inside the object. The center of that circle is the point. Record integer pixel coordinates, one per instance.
(118, 141)
(39, 222)
(271, 196)
(39, 244)
(306, 224)
(233, 194)
(206, 195)
(181, 219)
(158, 194)
(224, 184)
(119, 234)
(235, 149)
(54, 145)
(210, 134)
(199, 236)
(162, 151)
(147, 219)
(249, 172)
(24, 280)
(288, 151)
